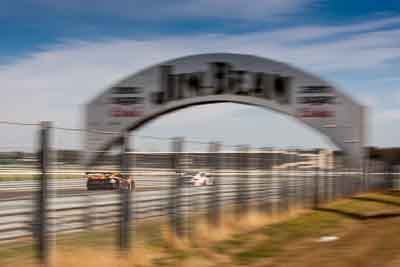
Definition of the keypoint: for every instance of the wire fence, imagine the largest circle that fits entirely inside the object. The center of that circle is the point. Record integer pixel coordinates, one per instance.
(192, 178)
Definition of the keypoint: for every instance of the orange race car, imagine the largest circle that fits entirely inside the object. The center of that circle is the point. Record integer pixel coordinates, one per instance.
(109, 180)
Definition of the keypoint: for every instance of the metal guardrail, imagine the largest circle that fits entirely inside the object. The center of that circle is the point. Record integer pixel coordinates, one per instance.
(150, 180)
(91, 209)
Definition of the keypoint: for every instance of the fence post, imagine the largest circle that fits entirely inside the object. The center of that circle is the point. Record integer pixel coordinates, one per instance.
(40, 225)
(325, 177)
(364, 167)
(175, 197)
(293, 189)
(214, 161)
(289, 180)
(316, 181)
(366, 174)
(283, 183)
(125, 196)
(262, 182)
(242, 183)
(87, 215)
(274, 185)
(298, 189)
(333, 175)
(343, 179)
(305, 185)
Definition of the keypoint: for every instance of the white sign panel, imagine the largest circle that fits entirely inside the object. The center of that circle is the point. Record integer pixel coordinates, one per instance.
(216, 78)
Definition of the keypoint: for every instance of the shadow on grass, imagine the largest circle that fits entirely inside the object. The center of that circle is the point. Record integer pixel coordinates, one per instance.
(386, 198)
(371, 206)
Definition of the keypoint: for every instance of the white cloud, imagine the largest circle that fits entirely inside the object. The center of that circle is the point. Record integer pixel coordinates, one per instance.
(162, 10)
(54, 83)
(302, 33)
(260, 9)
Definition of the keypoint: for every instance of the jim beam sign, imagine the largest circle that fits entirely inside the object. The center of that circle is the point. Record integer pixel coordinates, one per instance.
(215, 78)
(220, 78)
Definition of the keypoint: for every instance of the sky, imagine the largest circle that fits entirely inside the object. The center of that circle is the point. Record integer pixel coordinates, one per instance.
(57, 55)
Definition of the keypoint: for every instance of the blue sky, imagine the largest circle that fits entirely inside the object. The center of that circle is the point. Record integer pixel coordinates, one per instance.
(58, 54)
(30, 24)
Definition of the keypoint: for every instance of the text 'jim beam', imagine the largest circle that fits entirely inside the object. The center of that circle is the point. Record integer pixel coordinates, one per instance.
(221, 78)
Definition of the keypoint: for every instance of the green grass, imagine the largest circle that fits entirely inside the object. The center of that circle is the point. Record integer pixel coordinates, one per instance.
(266, 242)
(24, 177)
(27, 177)
(261, 251)
(235, 241)
(148, 233)
(362, 207)
(7, 162)
(16, 250)
(384, 198)
(314, 224)
(103, 237)
(243, 248)
(19, 250)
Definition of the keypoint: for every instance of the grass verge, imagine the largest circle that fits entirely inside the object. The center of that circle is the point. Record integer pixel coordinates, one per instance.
(250, 240)
(363, 208)
(34, 177)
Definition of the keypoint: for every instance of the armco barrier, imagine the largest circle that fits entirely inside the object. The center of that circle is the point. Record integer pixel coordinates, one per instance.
(89, 210)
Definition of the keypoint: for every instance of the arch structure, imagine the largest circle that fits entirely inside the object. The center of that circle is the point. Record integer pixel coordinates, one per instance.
(217, 78)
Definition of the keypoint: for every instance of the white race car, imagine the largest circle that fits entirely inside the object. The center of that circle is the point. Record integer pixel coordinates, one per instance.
(201, 179)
